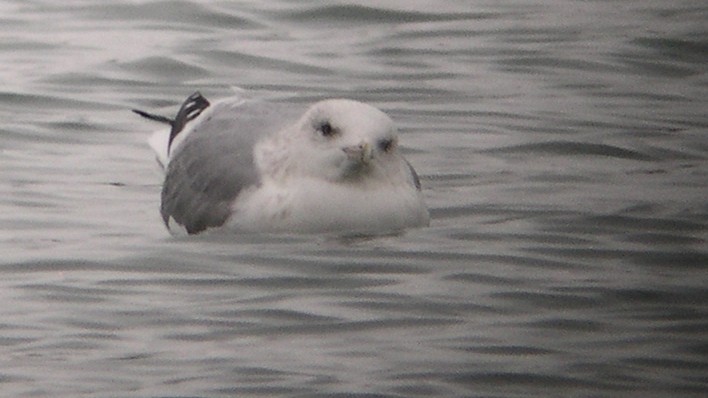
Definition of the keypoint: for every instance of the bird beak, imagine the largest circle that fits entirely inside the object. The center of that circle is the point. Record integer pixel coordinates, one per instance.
(362, 152)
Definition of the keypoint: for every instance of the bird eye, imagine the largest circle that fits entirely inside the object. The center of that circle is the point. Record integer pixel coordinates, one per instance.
(387, 145)
(327, 130)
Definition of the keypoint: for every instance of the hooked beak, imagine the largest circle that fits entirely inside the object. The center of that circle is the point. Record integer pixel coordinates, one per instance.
(362, 153)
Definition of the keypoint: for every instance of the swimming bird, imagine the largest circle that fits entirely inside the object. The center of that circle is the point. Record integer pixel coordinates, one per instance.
(258, 166)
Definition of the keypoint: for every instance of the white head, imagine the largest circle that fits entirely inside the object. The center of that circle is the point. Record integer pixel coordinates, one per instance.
(344, 140)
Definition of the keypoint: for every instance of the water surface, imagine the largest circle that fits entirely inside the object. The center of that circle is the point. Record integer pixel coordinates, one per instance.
(563, 155)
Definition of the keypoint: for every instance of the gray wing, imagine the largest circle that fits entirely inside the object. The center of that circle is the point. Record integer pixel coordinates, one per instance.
(215, 162)
(413, 175)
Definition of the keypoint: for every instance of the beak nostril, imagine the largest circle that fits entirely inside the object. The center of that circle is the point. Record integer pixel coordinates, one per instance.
(361, 152)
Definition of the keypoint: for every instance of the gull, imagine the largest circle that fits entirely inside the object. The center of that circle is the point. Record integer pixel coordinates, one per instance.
(258, 166)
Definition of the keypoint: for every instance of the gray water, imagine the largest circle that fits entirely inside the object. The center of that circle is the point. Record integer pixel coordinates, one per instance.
(563, 152)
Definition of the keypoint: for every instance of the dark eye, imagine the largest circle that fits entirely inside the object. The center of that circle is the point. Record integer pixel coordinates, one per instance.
(387, 145)
(326, 129)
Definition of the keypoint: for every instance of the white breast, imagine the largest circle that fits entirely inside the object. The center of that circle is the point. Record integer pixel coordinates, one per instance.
(312, 206)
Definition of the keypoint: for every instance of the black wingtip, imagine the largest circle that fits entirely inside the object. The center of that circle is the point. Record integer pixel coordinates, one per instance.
(190, 109)
(151, 116)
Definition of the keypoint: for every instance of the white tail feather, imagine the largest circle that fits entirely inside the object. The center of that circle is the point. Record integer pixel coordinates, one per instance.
(158, 142)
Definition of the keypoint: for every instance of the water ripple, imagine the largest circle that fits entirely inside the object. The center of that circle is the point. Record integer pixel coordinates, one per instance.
(562, 152)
